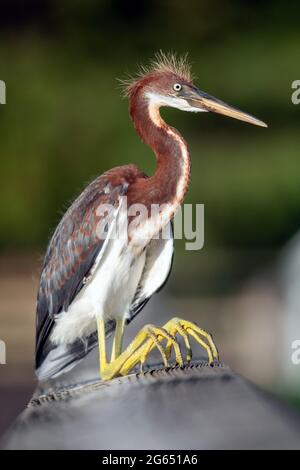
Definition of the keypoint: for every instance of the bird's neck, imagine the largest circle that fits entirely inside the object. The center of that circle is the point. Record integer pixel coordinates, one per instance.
(170, 181)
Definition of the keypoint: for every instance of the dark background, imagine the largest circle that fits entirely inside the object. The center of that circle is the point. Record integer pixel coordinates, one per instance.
(65, 122)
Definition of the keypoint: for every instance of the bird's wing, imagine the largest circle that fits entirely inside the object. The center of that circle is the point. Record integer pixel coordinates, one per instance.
(158, 266)
(75, 244)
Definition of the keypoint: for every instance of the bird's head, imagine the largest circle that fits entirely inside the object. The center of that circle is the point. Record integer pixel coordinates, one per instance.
(168, 82)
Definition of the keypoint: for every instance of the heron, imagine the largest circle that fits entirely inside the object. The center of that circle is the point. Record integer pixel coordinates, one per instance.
(93, 284)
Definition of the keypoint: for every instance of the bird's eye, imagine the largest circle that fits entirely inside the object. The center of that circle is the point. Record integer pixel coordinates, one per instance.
(177, 86)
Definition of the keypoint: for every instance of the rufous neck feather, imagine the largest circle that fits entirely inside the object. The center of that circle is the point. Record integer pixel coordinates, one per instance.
(170, 181)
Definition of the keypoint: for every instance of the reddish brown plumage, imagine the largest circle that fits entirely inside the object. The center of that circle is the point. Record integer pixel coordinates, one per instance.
(165, 141)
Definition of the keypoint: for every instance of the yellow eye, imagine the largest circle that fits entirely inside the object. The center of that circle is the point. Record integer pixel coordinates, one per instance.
(177, 87)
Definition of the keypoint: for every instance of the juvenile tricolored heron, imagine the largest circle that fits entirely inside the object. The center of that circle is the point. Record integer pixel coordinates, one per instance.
(93, 283)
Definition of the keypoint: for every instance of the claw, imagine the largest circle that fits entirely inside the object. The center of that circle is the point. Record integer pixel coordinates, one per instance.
(154, 342)
(185, 329)
(154, 337)
(178, 329)
(159, 335)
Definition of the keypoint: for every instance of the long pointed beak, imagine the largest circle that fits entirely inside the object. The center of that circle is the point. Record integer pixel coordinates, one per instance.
(200, 99)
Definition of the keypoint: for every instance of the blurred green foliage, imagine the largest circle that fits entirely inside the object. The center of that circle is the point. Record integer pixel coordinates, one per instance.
(65, 122)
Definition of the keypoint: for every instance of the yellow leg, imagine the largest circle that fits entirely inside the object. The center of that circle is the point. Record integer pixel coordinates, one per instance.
(184, 328)
(134, 353)
(140, 355)
(118, 339)
(101, 342)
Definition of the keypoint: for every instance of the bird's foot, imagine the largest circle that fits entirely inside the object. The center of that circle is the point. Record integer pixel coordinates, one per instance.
(186, 329)
(146, 340)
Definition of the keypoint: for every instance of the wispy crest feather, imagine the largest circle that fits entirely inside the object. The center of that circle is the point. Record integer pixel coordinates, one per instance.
(161, 63)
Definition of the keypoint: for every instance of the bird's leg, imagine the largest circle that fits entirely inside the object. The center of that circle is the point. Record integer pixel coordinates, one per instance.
(118, 339)
(184, 328)
(101, 343)
(135, 351)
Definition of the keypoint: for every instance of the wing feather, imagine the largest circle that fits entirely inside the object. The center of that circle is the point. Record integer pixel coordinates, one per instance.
(73, 250)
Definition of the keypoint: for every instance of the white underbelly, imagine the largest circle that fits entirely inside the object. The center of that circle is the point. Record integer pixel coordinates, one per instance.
(108, 294)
